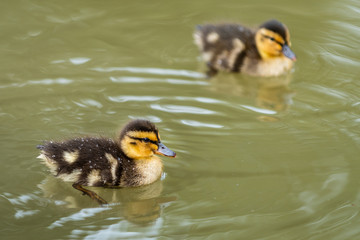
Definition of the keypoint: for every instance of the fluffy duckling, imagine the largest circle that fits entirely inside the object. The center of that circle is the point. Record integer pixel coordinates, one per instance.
(128, 161)
(234, 48)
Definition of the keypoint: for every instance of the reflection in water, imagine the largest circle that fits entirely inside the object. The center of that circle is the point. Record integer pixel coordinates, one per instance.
(140, 205)
(268, 93)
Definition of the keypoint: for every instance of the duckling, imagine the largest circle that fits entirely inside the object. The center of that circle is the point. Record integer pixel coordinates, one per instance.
(234, 48)
(128, 161)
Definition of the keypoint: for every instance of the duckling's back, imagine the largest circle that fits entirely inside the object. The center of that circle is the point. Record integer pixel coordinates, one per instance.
(224, 46)
(87, 161)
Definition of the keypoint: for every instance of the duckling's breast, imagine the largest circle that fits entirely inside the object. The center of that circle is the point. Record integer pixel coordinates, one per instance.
(143, 172)
(270, 67)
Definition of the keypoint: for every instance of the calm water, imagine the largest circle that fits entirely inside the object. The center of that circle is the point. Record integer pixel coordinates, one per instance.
(274, 158)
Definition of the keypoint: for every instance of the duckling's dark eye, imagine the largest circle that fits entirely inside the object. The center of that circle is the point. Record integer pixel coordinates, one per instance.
(268, 37)
(146, 140)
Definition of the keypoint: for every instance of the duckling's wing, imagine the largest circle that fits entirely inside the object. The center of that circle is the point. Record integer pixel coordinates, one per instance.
(87, 161)
(224, 46)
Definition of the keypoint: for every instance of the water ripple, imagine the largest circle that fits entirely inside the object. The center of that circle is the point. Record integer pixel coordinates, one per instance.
(121, 230)
(200, 124)
(79, 216)
(200, 99)
(88, 103)
(154, 119)
(134, 98)
(79, 60)
(21, 213)
(155, 71)
(21, 202)
(156, 80)
(259, 110)
(46, 81)
(181, 109)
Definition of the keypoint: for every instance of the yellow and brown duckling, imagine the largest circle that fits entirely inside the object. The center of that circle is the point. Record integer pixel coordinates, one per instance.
(235, 48)
(128, 161)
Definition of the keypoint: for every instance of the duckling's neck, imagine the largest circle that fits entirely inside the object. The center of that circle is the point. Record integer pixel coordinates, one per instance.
(150, 169)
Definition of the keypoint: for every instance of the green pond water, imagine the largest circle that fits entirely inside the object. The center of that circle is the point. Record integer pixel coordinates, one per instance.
(257, 158)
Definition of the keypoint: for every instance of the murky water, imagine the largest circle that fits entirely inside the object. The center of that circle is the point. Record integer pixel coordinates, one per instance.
(274, 158)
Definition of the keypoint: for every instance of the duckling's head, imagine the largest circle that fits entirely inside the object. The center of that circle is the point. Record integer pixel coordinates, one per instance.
(273, 40)
(140, 139)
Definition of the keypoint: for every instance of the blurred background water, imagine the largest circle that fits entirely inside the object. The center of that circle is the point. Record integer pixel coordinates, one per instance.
(271, 158)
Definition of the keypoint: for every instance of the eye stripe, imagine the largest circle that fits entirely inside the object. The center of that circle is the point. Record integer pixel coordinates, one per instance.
(144, 140)
(273, 39)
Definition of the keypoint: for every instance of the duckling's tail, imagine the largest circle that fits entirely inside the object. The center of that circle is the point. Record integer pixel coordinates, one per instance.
(198, 27)
(41, 147)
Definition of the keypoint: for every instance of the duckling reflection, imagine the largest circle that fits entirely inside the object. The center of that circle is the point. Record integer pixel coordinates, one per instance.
(274, 94)
(140, 205)
(271, 93)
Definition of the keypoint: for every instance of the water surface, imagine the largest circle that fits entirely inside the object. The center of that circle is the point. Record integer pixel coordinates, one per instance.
(273, 158)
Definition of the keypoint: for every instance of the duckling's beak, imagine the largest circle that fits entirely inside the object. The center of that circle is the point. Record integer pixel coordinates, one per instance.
(288, 53)
(165, 151)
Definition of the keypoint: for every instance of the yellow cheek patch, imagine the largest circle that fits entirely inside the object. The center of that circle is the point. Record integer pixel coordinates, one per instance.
(139, 150)
(154, 146)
